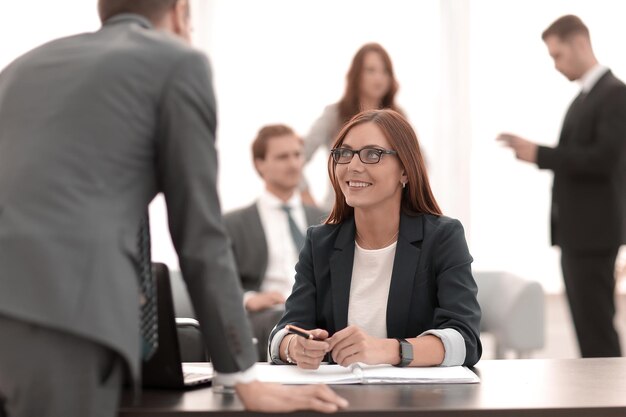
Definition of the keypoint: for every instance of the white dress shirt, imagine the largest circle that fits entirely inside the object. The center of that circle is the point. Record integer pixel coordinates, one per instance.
(281, 250)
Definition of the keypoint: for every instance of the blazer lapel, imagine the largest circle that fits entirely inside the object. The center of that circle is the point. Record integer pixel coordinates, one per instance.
(341, 272)
(405, 263)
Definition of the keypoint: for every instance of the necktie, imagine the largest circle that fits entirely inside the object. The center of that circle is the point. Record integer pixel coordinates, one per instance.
(296, 234)
(147, 287)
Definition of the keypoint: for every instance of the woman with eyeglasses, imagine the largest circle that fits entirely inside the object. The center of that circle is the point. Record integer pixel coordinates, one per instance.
(370, 84)
(387, 279)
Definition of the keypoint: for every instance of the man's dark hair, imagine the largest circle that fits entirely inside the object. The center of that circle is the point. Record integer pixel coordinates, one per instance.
(154, 10)
(565, 27)
(266, 133)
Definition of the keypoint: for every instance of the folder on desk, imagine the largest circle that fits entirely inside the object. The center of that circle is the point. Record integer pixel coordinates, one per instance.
(366, 374)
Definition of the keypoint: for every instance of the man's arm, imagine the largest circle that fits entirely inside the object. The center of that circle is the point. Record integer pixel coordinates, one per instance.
(187, 174)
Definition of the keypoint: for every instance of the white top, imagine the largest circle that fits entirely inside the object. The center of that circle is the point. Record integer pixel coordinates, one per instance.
(369, 289)
(282, 252)
(367, 306)
(591, 77)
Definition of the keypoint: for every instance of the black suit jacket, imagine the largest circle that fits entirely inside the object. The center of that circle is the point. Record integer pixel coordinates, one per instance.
(431, 283)
(589, 192)
(250, 245)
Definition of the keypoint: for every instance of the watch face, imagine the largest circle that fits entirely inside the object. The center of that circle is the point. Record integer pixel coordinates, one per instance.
(406, 352)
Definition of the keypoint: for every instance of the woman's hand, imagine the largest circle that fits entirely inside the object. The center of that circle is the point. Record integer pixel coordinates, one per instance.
(352, 345)
(308, 353)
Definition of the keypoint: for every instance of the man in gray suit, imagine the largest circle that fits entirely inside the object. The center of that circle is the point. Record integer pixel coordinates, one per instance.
(268, 235)
(92, 127)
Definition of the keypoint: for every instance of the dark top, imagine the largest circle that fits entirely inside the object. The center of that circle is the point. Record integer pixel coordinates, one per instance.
(431, 284)
(589, 164)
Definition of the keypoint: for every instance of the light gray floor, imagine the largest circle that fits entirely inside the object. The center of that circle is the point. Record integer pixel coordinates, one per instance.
(560, 337)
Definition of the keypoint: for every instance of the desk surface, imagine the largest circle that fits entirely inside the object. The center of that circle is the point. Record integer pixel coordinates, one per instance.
(565, 387)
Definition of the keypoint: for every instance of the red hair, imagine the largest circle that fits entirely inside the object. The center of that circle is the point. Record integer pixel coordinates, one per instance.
(417, 197)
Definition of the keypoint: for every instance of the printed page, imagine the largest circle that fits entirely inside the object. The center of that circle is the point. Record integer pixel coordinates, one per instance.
(387, 374)
(292, 375)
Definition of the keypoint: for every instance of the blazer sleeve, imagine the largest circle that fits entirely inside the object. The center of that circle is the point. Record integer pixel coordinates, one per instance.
(322, 132)
(187, 175)
(599, 156)
(457, 306)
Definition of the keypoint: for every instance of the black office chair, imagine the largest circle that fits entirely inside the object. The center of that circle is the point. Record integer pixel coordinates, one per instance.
(192, 347)
(190, 341)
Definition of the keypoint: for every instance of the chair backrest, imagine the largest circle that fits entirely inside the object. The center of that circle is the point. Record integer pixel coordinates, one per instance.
(192, 347)
(512, 310)
(182, 302)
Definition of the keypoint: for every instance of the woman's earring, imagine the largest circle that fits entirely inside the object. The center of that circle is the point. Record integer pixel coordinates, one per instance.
(404, 185)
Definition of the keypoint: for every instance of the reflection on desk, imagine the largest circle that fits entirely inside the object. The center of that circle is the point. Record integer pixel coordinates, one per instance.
(566, 387)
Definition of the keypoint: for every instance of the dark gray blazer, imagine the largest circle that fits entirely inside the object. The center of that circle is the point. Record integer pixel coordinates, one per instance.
(589, 163)
(431, 283)
(92, 127)
(250, 245)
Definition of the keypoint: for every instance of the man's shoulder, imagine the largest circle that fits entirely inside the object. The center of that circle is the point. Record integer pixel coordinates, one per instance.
(610, 83)
(314, 214)
(240, 214)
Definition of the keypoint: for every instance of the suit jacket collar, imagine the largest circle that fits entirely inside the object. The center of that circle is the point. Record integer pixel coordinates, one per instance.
(127, 18)
(402, 277)
(590, 79)
(598, 86)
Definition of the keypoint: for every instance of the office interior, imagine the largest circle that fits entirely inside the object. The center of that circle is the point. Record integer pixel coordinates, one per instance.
(467, 70)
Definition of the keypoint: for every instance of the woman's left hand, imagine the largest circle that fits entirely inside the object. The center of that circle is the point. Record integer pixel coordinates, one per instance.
(352, 345)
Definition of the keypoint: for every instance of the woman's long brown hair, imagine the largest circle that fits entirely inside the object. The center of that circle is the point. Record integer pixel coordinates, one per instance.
(417, 197)
(349, 105)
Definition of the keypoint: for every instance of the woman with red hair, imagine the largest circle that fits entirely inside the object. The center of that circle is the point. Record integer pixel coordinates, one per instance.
(387, 279)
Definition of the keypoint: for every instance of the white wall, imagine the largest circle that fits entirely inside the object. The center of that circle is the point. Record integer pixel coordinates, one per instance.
(283, 61)
(26, 24)
(467, 70)
(514, 87)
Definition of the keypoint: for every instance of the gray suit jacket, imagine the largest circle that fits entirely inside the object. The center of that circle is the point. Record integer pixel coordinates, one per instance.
(249, 244)
(92, 127)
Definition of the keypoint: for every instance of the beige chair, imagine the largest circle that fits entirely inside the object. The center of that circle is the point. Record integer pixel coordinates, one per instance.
(512, 311)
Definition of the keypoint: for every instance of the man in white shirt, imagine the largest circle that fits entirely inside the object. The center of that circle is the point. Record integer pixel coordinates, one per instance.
(268, 235)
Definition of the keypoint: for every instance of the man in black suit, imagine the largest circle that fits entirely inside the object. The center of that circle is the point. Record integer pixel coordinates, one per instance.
(587, 216)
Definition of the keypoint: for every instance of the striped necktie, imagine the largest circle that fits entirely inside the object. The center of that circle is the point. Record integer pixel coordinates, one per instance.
(147, 287)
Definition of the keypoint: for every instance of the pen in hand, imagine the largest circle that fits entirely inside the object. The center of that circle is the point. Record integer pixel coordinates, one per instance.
(300, 332)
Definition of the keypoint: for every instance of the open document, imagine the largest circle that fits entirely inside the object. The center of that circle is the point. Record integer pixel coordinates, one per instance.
(365, 374)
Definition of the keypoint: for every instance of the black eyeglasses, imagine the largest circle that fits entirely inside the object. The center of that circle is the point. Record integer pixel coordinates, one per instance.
(366, 155)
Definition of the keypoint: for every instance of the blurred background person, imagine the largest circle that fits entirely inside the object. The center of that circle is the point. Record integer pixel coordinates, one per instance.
(370, 84)
(588, 210)
(267, 236)
(387, 279)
